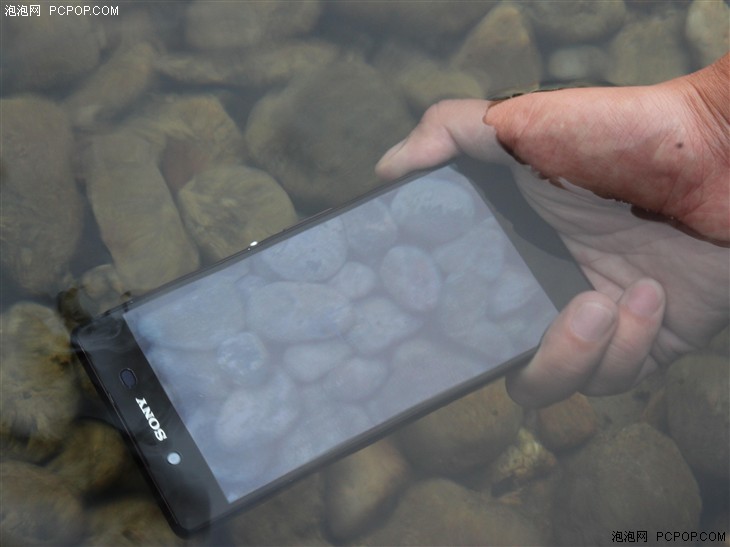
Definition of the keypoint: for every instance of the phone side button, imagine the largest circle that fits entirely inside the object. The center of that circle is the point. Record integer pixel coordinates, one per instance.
(128, 378)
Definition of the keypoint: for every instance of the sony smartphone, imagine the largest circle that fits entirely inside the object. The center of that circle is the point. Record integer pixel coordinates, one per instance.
(234, 381)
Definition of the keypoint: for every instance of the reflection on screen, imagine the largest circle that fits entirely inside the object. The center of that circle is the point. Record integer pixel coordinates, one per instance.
(286, 354)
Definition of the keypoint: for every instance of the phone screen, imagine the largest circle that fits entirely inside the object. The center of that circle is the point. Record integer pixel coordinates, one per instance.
(283, 356)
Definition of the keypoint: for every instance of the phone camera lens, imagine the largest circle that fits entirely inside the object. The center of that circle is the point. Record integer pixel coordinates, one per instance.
(128, 378)
(174, 458)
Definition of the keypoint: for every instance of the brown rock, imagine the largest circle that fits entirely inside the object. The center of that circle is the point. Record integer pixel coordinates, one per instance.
(567, 424)
(130, 522)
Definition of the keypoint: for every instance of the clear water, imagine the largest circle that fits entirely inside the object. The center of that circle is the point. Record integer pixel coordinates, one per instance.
(156, 93)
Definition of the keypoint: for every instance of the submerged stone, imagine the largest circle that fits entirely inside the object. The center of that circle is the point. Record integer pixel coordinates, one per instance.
(370, 228)
(355, 380)
(354, 280)
(307, 362)
(411, 277)
(378, 324)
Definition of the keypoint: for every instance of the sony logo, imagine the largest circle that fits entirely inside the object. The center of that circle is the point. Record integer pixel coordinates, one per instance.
(154, 423)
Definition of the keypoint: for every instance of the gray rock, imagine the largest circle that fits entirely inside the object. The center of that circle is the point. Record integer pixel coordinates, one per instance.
(370, 228)
(227, 207)
(49, 51)
(199, 316)
(287, 311)
(464, 435)
(434, 209)
(464, 300)
(247, 24)
(307, 362)
(411, 277)
(481, 249)
(355, 380)
(378, 324)
(586, 63)
(633, 480)
(473, 519)
(517, 67)
(698, 412)
(322, 135)
(354, 280)
(511, 292)
(360, 488)
(41, 208)
(662, 55)
(315, 254)
(489, 338)
(248, 285)
(578, 20)
(707, 31)
(243, 359)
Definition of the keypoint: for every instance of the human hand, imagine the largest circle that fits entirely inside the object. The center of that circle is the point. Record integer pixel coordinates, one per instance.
(659, 291)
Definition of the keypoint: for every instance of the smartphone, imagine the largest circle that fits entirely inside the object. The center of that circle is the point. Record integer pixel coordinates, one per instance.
(234, 381)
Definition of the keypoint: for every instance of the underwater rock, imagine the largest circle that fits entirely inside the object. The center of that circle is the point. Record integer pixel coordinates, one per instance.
(441, 512)
(41, 214)
(38, 507)
(354, 280)
(355, 380)
(37, 381)
(321, 136)
(464, 301)
(411, 277)
(576, 21)
(707, 31)
(517, 67)
(93, 457)
(481, 249)
(244, 359)
(663, 55)
(226, 207)
(370, 228)
(379, 323)
(265, 66)
(288, 311)
(635, 479)
(135, 212)
(584, 63)
(698, 412)
(515, 289)
(567, 424)
(113, 87)
(312, 255)
(46, 52)
(360, 487)
(101, 289)
(247, 24)
(128, 522)
(307, 362)
(524, 460)
(465, 434)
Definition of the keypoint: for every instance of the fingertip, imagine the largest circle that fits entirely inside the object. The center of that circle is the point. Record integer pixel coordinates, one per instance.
(645, 298)
(387, 168)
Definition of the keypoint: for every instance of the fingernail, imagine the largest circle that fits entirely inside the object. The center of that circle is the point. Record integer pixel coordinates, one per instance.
(390, 154)
(591, 321)
(644, 298)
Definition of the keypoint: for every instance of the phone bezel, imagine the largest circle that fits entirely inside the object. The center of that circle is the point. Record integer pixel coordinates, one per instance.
(188, 493)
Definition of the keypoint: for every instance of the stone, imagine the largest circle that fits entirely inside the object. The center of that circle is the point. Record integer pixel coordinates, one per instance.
(434, 209)
(441, 512)
(523, 461)
(40, 396)
(411, 277)
(516, 287)
(115, 86)
(466, 434)
(370, 228)
(720, 343)
(226, 207)
(199, 316)
(291, 517)
(361, 487)
(308, 362)
(490, 338)
(354, 280)
(663, 55)
(249, 24)
(243, 358)
(379, 323)
(635, 479)
(314, 254)
(42, 211)
(288, 311)
(707, 31)
(38, 507)
(355, 380)
(321, 136)
(92, 458)
(48, 52)
(698, 412)
(136, 214)
(464, 301)
(481, 249)
(567, 424)
(101, 289)
(577, 63)
(266, 66)
(130, 521)
(517, 66)
(577, 21)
